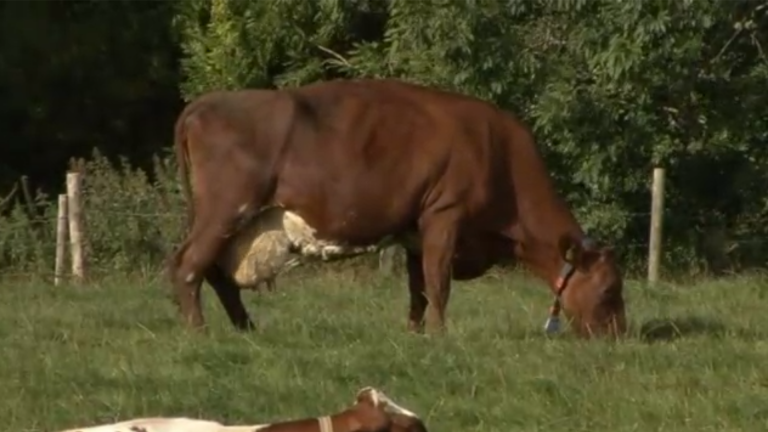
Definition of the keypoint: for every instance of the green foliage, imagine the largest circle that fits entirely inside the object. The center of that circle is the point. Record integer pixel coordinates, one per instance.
(28, 235)
(79, 74)
(235, 44)
(610, 88)
(130, 222)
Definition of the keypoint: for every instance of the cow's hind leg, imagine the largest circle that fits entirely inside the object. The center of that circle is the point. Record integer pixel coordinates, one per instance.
(211, 227)
(189, 266)
(413, 264)
(230, 296)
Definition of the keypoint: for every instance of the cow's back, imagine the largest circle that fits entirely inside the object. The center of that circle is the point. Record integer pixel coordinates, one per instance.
(366, 157)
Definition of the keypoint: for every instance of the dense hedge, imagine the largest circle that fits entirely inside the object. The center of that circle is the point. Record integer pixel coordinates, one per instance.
(612, 89)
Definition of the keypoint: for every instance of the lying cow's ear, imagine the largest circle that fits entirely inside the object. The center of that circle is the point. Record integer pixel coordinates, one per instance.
(570, 250)
(368, 395)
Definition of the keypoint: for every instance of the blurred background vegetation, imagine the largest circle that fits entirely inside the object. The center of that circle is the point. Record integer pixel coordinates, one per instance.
(612, 89)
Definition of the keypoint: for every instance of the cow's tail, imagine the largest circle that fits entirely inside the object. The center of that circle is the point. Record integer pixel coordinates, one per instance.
(182, 160)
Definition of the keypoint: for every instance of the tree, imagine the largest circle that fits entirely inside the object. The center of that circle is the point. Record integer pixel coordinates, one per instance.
(79, 74)
(610, 88)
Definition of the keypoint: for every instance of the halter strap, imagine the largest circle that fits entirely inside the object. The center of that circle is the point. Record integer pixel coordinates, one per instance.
(560, 284)
(553, 321)
(325, 424)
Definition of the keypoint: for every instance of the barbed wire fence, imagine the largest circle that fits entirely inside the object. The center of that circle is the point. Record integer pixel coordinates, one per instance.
(61, 236)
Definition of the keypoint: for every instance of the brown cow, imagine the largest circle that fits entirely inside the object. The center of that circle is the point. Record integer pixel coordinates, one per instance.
(352, 163)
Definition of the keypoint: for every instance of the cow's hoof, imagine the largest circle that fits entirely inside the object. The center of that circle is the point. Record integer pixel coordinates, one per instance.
(415, 327)
(245, 327)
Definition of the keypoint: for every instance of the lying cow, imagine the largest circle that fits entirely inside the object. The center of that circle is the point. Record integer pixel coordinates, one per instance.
(345, 167)
(372, 411)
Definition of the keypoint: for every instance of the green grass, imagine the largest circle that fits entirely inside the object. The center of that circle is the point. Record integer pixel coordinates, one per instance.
(115, 350)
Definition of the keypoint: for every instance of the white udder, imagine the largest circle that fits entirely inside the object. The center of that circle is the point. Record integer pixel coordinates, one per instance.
(262, 249)
(302, 236)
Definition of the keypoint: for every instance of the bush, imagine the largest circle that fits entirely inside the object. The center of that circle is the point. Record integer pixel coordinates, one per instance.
(132, 222)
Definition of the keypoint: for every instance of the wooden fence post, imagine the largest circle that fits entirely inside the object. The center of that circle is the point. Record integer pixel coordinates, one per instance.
(657, 216)
(74, 207)
(61, 239)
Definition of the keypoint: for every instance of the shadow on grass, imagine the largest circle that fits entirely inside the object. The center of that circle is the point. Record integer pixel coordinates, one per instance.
(667, 329)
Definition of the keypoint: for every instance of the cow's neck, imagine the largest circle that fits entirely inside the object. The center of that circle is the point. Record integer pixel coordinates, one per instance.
(543, 215)
(539, 248)
(542, 257)
(345, 421)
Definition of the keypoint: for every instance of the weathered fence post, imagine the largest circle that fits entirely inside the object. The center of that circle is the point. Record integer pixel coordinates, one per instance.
(61, 239)
(74, 207)
(657, 216)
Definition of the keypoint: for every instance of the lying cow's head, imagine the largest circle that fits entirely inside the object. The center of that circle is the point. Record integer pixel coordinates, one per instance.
(378, 413)
(591, 285)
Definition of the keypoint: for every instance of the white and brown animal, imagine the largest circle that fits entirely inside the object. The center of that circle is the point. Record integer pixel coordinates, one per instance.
(372, 411)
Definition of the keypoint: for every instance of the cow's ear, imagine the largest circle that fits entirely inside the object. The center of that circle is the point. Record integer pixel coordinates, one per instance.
(608, 253)
(570, 250)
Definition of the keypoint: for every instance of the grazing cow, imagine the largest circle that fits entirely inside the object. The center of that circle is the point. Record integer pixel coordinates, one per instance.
(349, 165)
(372, 411)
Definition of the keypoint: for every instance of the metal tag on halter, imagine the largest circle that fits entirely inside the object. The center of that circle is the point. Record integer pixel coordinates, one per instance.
(552, 325)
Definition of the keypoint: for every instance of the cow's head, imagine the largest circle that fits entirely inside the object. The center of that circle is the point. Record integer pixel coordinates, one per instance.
(378, 413)
(591, 288)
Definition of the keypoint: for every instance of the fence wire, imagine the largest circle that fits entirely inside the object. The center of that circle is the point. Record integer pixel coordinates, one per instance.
(155, 227)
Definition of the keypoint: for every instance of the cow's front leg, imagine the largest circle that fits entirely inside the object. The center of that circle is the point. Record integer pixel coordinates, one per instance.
(438, 245)
(413, 264)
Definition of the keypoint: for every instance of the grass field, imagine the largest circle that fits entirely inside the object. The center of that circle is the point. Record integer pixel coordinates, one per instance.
(78, 356)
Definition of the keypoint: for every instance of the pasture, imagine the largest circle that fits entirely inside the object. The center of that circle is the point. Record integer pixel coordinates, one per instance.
(74, 356)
